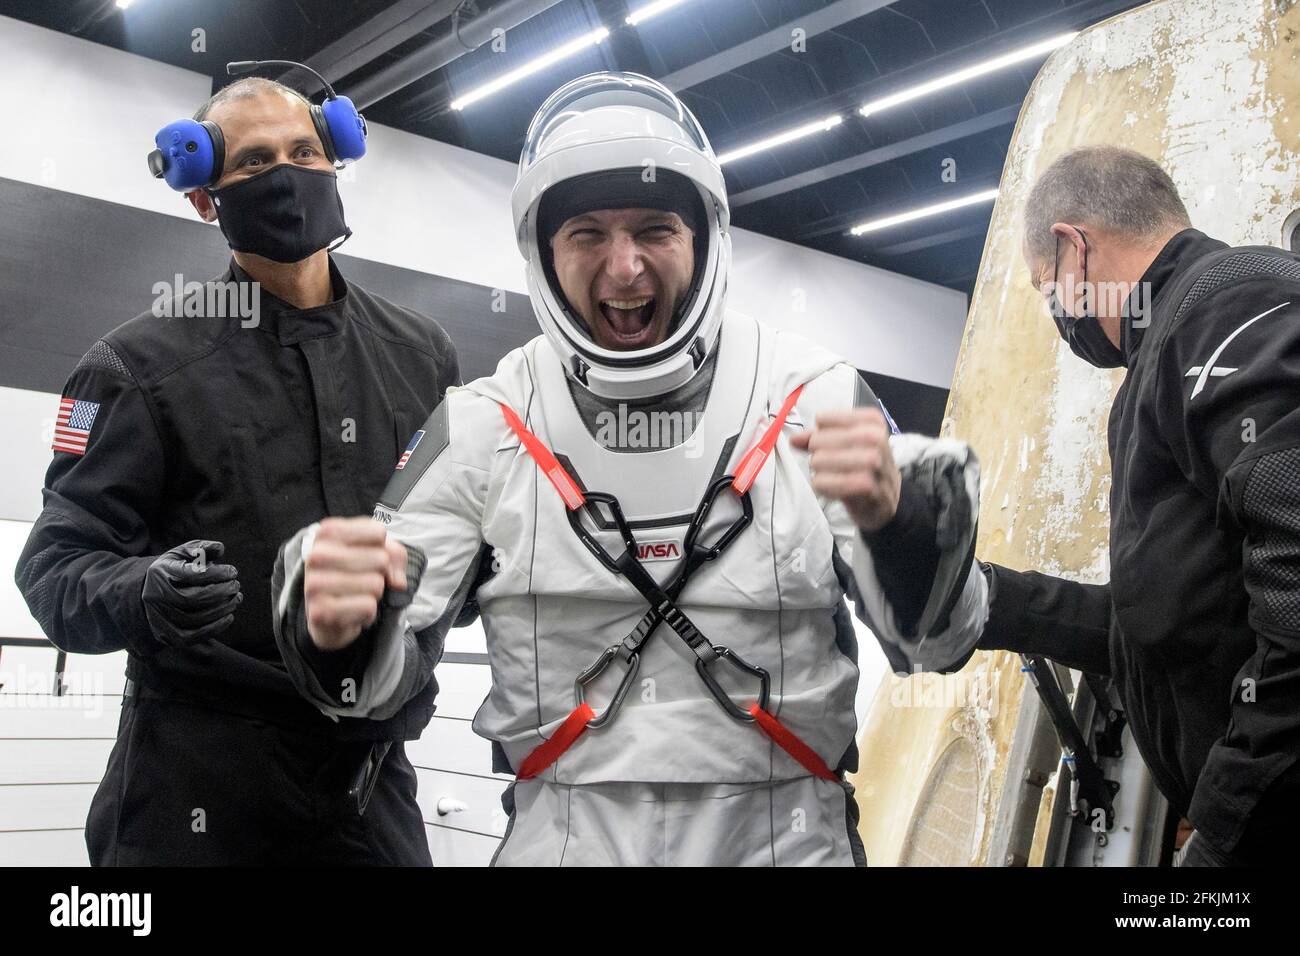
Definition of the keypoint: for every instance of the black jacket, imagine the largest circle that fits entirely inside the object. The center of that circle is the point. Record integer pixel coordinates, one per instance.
(1200, 624)
(206, 428)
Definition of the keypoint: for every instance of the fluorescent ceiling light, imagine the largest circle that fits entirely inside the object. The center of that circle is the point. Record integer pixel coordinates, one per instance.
(529, 68)
(830, 122)
(986, 196)
(123, 4)
(961, 76)
(650, 10)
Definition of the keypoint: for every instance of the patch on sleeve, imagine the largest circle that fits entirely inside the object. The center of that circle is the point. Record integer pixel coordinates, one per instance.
(422, 451)
(893, 426)
(406, 455)
(864, 397)
(72, 427)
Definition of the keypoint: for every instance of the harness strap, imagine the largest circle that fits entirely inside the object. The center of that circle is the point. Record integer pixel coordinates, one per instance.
(575, 725)
(547, 462)
(785, 738)
(549, 750)
(757, 456)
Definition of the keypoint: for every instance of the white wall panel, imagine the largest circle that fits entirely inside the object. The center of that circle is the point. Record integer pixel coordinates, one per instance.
(452, 745)
(95, 674)
(481, 796)
(59, 761)
(87, 717)
(450, 847)
(44, 807)
(86, 125)
(462, 688)
(27, 670)
(44, 848)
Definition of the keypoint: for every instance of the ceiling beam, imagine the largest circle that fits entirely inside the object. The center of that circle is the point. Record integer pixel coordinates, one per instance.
(444, 49)
(827, 18)
(882, 154)
(367, 42)
(928, 242)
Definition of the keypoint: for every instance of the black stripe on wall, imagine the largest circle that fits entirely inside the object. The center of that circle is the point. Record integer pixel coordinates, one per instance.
(913, 406)
(73, 268)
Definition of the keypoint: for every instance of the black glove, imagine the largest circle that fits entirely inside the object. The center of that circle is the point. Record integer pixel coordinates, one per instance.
(187, 598)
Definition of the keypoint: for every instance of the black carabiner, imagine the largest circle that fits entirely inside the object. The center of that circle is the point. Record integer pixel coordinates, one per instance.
(663, 601)
(595, 670)
(630, 649)
(720, 695)
(709, 552)
(589, 539)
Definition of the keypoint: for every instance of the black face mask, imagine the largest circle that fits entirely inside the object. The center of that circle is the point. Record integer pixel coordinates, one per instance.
(284, 214)
(1084, 334)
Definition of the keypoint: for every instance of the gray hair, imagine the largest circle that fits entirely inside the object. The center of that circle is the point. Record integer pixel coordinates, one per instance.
(1118, 190)
(243, 88)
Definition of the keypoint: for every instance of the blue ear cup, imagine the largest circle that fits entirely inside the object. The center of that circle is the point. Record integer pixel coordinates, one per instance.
(345, 128)
(189, 154)
(192, 154)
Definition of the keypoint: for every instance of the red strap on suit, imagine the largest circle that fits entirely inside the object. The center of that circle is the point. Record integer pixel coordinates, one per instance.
(575, 725)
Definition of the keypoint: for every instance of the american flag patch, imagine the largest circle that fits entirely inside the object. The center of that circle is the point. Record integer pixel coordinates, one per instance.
(72, 428)
(410, 450)
(893, 426)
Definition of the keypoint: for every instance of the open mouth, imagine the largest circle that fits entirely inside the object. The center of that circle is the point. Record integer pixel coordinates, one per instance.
(629, 319)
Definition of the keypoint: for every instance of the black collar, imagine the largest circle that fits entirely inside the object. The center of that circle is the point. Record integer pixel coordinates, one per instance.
(291, 324)
(1178, 254)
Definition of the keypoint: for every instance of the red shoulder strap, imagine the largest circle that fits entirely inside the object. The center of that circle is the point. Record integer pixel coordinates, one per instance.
(746, 471)
(547, 462)
(757, 456)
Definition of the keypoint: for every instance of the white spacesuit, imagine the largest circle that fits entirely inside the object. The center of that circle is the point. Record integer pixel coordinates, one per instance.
(719, 730)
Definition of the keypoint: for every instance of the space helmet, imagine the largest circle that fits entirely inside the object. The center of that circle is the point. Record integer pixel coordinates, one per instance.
(621, 140)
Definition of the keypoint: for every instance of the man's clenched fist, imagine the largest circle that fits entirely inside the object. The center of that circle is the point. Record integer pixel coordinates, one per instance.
(350, 563)
(851, 462)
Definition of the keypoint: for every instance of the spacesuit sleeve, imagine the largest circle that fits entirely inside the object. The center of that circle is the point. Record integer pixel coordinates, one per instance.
(915, 584)
(434, 505)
